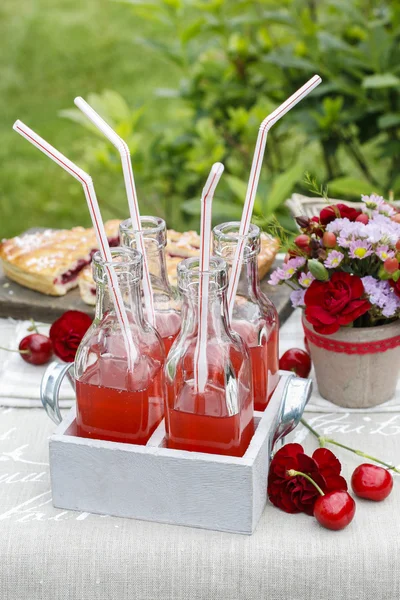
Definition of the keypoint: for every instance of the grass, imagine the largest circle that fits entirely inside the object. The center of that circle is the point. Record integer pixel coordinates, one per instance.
(52, 51)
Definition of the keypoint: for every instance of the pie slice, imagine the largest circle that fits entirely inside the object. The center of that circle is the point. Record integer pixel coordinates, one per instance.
(179, 247)
(186, 245)
(50, 261)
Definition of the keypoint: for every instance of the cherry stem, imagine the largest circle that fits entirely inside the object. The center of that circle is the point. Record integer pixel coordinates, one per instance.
(324, 440)
(33, 327)
(293, 473)
(12, 350)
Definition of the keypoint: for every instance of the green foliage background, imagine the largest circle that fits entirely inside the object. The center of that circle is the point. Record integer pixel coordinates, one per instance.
(187, 83)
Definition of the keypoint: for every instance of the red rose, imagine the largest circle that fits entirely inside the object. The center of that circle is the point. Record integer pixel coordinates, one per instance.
(396, 286)
(331, 304)
(335, 211)
(297, 494)
(67, 332)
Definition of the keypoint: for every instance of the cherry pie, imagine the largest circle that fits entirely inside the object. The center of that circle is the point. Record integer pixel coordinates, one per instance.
(50, 261)
(180, 246)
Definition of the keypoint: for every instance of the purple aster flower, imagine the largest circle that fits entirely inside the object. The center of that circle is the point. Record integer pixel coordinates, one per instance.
(381, 295)
(391, 307)
(287, 270)
(383, 252)
(306, 279)
(296, 263)
(297, 298)
(376, 205)
(360, 249)
(334, 259)
(275, 277)
(337, 225)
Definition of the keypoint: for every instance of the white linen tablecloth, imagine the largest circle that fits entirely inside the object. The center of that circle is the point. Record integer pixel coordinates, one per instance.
(52, 554)
(20, 382)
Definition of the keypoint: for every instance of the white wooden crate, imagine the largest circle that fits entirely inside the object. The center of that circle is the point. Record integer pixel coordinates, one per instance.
(155, 483)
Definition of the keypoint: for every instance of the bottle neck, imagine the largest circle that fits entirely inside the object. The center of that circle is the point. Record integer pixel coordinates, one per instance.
(131, 295)
(249, 282)
(157, 264)
(217, 312)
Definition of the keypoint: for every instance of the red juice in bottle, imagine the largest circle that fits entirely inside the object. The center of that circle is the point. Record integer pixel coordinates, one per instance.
(115, 407)
(273, 361)
(118, 399)
(166, 301)
(168, 327)
(217, 418)
(259, 358)
(254, 316)
(200, 421)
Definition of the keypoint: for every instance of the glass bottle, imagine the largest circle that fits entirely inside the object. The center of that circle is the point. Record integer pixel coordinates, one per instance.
(219, 420)
(113, 402)
(166, 299)
(254, 316)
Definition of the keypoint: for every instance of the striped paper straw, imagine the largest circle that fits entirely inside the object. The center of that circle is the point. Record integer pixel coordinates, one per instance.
(200, 356)
(254, 178)
(130, 188)
(90, 194)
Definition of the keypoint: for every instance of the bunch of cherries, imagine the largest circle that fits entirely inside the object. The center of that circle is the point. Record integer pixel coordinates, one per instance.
(336, 509)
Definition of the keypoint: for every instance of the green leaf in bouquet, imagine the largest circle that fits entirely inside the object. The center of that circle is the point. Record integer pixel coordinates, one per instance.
(396, 276)
(381, 81)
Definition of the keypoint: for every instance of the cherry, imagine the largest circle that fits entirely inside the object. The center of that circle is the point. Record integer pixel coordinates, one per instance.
(296, 360)
(329, 239)
(363, 218)
(335, 510)
(391, 265)
(371, 482)
(36, 349)
(398, 245)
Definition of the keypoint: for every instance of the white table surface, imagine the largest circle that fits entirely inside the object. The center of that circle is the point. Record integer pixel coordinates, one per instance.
(50, 554)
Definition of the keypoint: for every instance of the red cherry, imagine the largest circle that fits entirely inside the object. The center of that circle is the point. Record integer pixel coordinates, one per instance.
(363, 218)
(391, 265)
(329, 239)
(398, 245)
(36, 349)
(396, 218)
(296, 360)
(371, 482)
(335, 510)
(303, 242)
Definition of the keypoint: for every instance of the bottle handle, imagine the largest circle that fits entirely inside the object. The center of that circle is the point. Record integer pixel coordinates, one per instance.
(50, 387)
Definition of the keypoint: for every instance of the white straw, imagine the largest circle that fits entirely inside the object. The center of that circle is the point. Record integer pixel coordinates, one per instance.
(130, 188)
(200, 357)
(98, 226)
(254, 178)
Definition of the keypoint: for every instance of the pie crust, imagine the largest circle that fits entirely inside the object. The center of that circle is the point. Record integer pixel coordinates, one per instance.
(50, 261)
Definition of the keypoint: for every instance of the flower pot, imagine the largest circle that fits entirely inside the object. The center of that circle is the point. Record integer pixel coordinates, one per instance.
(356, 367)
